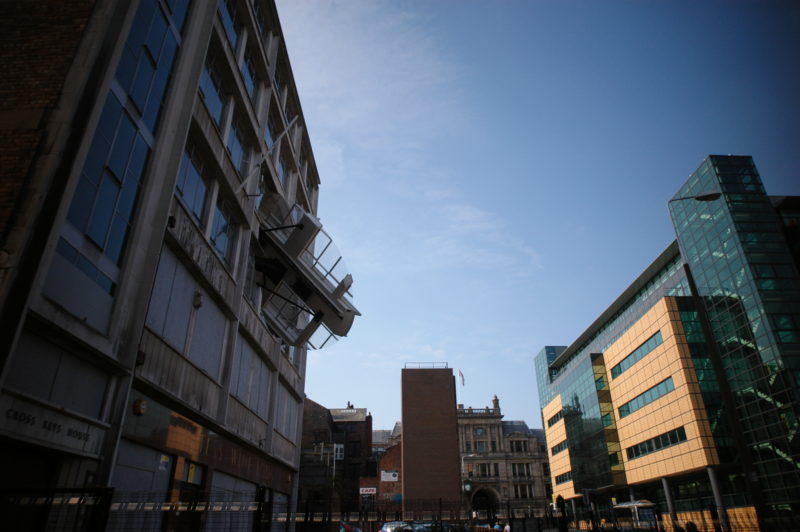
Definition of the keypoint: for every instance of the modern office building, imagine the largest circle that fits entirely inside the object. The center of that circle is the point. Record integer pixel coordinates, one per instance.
(163, 271)
(430, 457)
(504, 464)
(685, 391)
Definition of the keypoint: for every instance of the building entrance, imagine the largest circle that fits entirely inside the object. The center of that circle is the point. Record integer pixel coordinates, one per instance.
(484, 504)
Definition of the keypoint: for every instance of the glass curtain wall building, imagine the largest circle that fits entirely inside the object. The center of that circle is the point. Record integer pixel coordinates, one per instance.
(685, 390)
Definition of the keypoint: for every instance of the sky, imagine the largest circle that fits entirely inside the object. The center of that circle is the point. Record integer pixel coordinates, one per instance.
(496, 173)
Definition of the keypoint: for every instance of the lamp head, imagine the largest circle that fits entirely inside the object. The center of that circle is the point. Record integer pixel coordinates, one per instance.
(711, 196)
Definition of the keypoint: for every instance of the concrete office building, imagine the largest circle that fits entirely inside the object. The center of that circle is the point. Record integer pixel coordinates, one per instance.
(504, 464)
(685, 390)
(163, 272)
(430, 457)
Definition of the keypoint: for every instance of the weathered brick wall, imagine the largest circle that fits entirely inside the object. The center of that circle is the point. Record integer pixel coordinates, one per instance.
(390, 492)
(38, 43)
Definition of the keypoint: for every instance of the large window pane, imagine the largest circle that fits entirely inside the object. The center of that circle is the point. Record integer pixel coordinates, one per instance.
(221, 231)
(212, 94)
(103, 210)
(123, 142)
(208, 336)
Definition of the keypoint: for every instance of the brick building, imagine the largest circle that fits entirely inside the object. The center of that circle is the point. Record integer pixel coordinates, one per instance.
(320, 461)
(337, 452)
(354, 427)
(430, 456)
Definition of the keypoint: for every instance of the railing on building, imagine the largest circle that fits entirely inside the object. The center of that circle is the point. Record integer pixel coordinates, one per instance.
(466, 412)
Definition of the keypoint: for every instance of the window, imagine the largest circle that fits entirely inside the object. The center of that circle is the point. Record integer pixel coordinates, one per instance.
(283, 169)
(521, 470)
(47, 371)
(229, 22)
(191, 185)
(480, 446)
(261, 21)
(519, 446)
(287, 412)
(556, 418)
(468, 446)
(237, 150)
(338, 451)
(251, 378)
(271, 132)
(636, 355)
(193, 473)
(213, 95)
(479, 431)
(289, 110)
(523, 491)
(662, 441)
(146, 61)
(559, 447)
(644, 399)
(183, 314)
(278, 80)
(222, 231)
(494, 446)
(102, 207)
(249, 77)
(565, 477)
(83, 264)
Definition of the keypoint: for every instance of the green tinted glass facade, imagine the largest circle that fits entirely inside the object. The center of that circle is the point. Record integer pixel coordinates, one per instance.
(745, 274)
(734, 273)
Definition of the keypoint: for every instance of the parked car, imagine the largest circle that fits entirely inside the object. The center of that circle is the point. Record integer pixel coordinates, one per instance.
(397, 526)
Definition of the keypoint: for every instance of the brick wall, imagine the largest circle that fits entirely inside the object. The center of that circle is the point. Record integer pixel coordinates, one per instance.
(430, 437)
(38, 42)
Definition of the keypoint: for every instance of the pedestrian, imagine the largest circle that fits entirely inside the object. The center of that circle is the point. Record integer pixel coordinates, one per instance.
(507, 528)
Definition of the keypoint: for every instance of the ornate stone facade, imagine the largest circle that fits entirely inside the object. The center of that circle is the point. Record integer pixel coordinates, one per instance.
(503, 464)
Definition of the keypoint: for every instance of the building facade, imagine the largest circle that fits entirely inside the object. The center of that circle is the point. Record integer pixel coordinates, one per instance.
(685, 390)
(504, 464)
(160, 248)
(354, 426)
(430, 457)
(321, 460)
(336, 455)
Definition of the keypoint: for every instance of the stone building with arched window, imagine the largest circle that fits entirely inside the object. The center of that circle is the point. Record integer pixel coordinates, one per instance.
(503, 464)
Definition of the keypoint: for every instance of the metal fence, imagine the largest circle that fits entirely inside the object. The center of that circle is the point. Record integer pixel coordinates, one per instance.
(75, 510)
(100, 509)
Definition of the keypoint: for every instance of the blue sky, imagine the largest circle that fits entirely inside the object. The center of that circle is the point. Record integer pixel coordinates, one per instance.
(495, 173)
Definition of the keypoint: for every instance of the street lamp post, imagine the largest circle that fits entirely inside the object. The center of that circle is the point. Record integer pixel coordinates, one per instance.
(705, 197)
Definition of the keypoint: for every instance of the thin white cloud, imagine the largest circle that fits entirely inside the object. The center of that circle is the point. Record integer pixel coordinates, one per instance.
(377, 91)
(368, 76)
